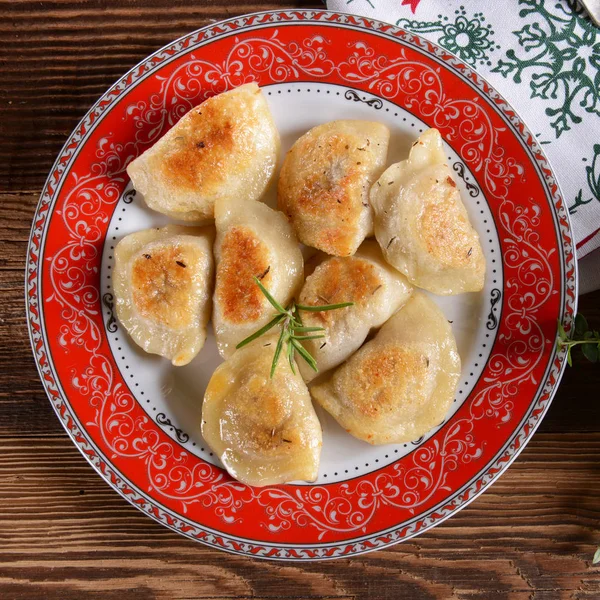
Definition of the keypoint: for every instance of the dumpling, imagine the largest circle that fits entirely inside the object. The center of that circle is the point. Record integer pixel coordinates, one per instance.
(376, 289)
(253, 240)
(325, 180)
(265, 431)
(400, 384)
(227, 147)
(423, 226)
(163, 281)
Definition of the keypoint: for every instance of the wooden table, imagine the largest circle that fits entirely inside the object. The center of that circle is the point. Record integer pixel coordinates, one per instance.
(64, 534)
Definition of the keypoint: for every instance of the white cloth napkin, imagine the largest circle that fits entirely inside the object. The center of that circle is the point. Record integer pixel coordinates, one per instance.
(544, 57)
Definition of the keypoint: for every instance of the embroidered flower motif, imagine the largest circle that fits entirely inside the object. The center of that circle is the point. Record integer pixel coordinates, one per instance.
(469, 38)
(559, 55)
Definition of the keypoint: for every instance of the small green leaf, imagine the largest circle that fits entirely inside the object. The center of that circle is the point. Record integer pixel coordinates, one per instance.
(291, 358)
(291, 326)
(569, 359)
(324, 307)
(261, 331)
(596, 558)
(581, 324)
(301, 338)
(590, 351)
(268, 296)
(277, 351)
(312, 363)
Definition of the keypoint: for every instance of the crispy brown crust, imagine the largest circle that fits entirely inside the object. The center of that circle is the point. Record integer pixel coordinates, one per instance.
(337, 280)
(325, 192)
(324, 181)
(378, 382)
(201, 156)
(243, 257)
(161, 283)
(447, 232)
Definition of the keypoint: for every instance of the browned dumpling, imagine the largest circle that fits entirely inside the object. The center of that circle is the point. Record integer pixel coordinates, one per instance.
(376, 289)
(253, 240)
(227, 147)
(264, 430)
(325, 180)
(163, 281)
(399, 385)
(422, 224)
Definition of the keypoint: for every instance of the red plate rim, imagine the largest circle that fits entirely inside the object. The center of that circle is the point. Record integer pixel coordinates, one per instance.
(333, 548)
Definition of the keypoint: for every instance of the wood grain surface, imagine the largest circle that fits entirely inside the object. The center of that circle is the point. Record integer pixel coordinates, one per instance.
(65, 535)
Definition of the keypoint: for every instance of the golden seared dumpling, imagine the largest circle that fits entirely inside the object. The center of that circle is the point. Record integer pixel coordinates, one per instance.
(325, 180)
(376, 289)
(253, 240)
(227, 147)
(163, 282)
(422, 225)
(400, 384)
(265, 431)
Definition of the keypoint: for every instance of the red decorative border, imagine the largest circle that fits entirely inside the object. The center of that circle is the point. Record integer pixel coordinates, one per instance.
(300, 522)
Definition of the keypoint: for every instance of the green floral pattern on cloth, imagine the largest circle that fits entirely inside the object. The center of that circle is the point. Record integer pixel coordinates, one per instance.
(593, 180)
(469, 38)
(561, 48)
(543, 56)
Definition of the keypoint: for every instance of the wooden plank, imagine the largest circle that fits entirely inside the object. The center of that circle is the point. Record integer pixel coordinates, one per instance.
(64, 531)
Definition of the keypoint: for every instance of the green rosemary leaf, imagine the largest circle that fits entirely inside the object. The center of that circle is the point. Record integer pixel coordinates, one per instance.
(278, 351)
(291, 326)
(302, 329)
(261, 331)
(268, 296)
(569, 359)
(312, 363)
(291, 357)
(324, 307)
(596, 558)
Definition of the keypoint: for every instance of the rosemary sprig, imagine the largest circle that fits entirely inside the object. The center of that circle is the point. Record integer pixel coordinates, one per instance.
(293, 331)
(589, 340)
(583, 336)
